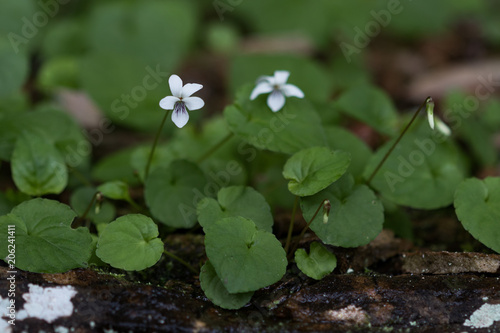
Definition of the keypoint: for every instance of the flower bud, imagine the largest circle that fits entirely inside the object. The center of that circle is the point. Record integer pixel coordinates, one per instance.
(326, 210)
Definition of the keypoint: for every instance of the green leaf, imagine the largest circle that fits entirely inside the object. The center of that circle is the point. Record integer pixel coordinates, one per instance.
(44, 239)
(172, 193)
(116, 190)
(244, 257)
(116, 166)
(371, 106)
(58, 128)
(356, 214)
(477, 204)
(255, 123)
(37, 166)
(318, 263)
(13, 69)
(163, 156)
(236, 201)
(130, 242)
(80, 200)
(339, 138)
(313, 169)
(216, 292)
(422, 172)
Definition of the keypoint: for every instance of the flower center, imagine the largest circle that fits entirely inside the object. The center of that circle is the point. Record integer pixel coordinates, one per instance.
(180, 106)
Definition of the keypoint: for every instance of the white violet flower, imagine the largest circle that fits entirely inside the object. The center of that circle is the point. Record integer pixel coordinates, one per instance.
(278, 88)
(181, 102)
(441, 126)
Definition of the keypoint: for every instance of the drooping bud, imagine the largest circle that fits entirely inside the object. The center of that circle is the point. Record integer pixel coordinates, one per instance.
(98, 200)
(442, 127)
(429, 107)
(326, 210)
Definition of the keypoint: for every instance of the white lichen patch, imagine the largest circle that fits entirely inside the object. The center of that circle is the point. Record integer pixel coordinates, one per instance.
(4, 315)
(485, 316)
(47, 303)
(350, 313)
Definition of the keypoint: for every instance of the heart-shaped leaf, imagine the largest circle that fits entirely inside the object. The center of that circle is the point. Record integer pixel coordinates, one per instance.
(477, 204)
(313, 169)
(37, 166)
(216, 292)
(423, 170)
(318, 263)
(255, 123)
(236, 201)
(356, 214)
(371, 106)
(130, 242)
(173, 192)
(244, 257)
(44, 239)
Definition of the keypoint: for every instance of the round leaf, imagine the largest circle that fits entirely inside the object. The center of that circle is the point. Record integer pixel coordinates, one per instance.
(216, 292)
(477, 204)
(255, 123)
(172, 193)
(313, 169)
(130, 242)
(37, 166)
(318, 263)
(45, 241)
(356, 214)
(244, 257)
(422, 172)
(236, 201)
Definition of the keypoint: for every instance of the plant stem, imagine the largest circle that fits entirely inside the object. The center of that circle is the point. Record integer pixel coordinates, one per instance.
(87, 210)
(292, 222)
(386, 156)
(214, 148)
(79, 176)
(188, 266)
(299, 237)
(148, 165)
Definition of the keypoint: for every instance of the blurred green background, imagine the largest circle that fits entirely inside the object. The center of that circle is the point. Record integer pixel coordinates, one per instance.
(121, 53)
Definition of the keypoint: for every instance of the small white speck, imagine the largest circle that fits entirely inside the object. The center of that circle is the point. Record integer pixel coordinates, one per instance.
(350, 270)
(61, 329)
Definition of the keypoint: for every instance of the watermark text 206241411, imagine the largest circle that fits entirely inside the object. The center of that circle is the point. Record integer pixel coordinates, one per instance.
(11, 261)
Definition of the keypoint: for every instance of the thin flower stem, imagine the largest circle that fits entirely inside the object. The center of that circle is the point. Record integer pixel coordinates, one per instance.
(188, 266)
(292, 222)
(87, 210)
(78, 175)
(299, 237)
(148, 165)
(214, 148)
(386, 156)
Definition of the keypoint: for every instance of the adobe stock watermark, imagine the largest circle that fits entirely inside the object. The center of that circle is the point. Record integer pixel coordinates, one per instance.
(223, 6)
(455, 117)
(362, 37)
(222, 178)
(31, 26)
(121, 106)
